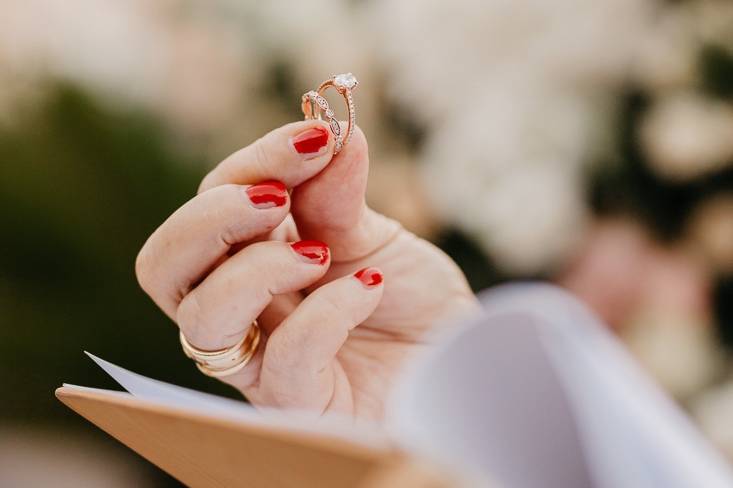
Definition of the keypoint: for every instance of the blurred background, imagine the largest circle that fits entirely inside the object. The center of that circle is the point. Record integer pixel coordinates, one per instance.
(585, 142)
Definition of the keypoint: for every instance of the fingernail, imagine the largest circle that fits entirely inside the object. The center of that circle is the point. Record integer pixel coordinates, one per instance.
(369, 277)
(268, 194)
(310, 143)
(314, 252)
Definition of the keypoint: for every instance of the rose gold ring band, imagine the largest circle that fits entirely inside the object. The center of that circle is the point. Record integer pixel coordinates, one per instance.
(314, 106)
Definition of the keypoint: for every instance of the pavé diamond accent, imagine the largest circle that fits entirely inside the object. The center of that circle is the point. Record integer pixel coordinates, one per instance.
(335, 127)
(322, 102)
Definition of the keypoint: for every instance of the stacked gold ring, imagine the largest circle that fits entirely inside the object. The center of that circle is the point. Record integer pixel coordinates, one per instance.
(314, 105)
(227, 361)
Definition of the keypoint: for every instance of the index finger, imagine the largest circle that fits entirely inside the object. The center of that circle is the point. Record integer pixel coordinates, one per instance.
(292, 154)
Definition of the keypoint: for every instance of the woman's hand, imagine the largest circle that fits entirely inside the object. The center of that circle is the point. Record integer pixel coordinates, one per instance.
(244, 249)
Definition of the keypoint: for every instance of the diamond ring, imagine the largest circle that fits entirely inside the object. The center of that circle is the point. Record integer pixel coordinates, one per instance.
(314, 105)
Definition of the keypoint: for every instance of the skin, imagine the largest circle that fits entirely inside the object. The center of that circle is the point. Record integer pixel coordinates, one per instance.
(329, 343)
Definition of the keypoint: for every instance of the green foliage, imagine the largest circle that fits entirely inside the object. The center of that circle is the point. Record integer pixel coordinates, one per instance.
(81, 188)
(716, 67)
(480, 272)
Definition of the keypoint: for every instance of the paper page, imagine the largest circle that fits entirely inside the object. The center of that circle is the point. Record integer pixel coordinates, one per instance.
(626, 420)
(488, 402)
(104, 391)
(537, 393)
(159, 391)
(169, 395)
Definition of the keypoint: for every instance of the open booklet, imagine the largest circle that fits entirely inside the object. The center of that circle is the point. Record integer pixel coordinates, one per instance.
(534, 392)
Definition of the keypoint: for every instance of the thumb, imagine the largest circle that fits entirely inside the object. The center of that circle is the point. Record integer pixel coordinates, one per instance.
(331, 206)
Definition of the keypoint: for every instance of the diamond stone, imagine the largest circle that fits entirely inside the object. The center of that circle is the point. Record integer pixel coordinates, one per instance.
(345, 80)
(335, 127)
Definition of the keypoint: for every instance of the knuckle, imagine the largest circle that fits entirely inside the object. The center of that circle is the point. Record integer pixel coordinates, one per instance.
(235, 217)
(143, 268)
(285, 397)
(189, 313)
(280, 353)
(262, 153)
(207, 183)
(262, 258)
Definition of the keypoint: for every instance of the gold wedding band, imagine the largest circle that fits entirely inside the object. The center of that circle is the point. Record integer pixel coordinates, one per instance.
(314, 105)
(227, 361)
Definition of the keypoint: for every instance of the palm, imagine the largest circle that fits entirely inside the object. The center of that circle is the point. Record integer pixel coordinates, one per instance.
(424, 289)
(418, 300)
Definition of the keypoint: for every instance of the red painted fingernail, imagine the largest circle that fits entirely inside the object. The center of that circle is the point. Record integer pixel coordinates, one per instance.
(370, 277)
(310, 142)
(268, 194)
(314, 252)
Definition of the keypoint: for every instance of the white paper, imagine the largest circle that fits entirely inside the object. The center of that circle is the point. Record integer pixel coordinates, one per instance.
(625, 419)
(166, 394)
(536, 393)
(488, 401)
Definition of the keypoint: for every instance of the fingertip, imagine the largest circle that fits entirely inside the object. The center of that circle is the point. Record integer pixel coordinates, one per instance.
(370, 277)
(312, 142)
(312, 251)
(268, 194)
(208, 182)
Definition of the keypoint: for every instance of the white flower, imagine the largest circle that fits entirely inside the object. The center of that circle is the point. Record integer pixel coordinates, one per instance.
(711, 230)
(671, 332)
(504, 181)
(686, 135)
(712, 410)
(318, 38)
(667, 53)
(714, 19)
(110, 44)
(509, 92)
(677, 350)
(190, 68)
(534, 217)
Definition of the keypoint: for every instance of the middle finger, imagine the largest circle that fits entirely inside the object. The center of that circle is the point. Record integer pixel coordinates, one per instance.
(192, 241)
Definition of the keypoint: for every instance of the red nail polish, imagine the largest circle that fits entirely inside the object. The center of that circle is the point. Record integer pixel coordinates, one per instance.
(268, 194)
(310, 141)
(315, 252)
(370, 277)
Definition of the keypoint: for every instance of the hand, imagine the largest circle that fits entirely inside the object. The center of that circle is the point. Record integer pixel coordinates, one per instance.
(245, 249)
